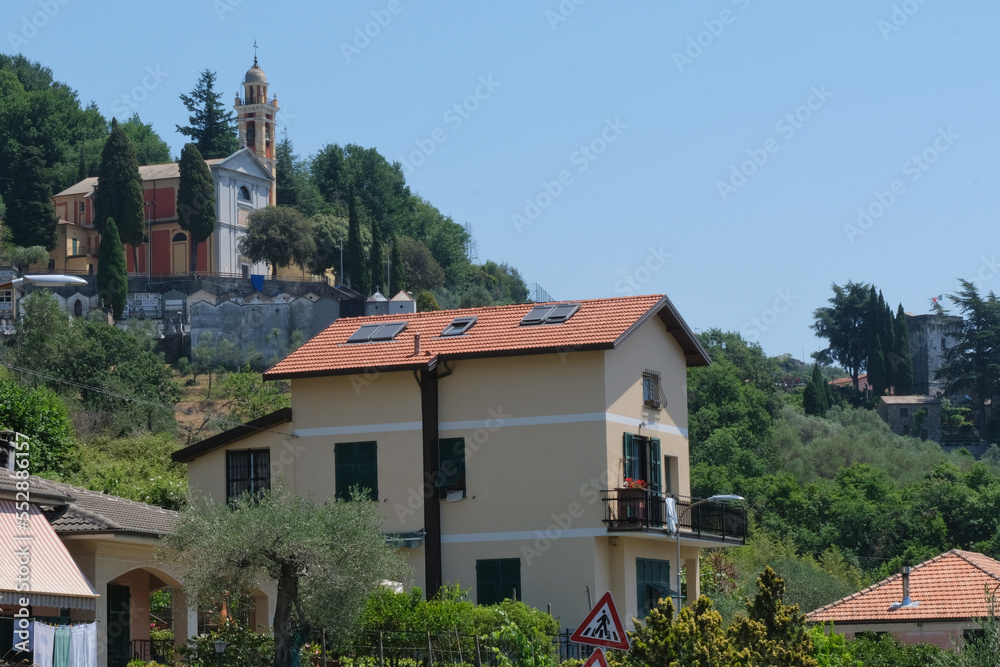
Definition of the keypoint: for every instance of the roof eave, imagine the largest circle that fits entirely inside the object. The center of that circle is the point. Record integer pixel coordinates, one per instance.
(235, 434)
(695, 353)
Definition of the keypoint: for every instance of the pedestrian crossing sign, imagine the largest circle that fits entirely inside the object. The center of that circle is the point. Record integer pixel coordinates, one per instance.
(602, 627)
(596, 659)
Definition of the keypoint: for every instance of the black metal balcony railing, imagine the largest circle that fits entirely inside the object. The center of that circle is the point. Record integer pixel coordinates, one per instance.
(641, 510)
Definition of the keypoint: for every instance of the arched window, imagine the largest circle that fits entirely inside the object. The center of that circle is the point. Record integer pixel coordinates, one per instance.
(244, 193)
(180, 236)
(78, 308)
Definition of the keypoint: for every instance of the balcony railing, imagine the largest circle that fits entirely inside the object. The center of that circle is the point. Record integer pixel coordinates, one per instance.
(642, 510)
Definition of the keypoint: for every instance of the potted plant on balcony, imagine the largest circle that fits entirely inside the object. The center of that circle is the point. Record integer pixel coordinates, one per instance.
(632, 499)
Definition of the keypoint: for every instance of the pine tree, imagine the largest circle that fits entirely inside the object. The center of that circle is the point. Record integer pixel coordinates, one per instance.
(195, 199)
(119, 193)
(902, 358)
(112, 274)
(398, 275)
(30, 216)
(357, 268)
(212, 127)
(376, 257)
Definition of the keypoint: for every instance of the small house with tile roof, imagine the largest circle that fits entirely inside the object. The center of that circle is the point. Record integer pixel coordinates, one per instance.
(937, 602)
(497, 442)
(914, 416)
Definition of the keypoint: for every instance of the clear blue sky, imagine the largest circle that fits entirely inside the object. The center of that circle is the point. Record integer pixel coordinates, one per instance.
(830, 102)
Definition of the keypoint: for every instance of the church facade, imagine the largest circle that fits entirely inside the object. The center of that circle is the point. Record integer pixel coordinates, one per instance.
(244, 182)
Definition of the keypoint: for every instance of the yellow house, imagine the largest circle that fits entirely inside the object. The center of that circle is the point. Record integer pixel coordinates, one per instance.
(498, 442)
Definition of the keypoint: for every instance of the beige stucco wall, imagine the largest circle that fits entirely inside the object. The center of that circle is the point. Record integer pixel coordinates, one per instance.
(543, 438)
(946, 635)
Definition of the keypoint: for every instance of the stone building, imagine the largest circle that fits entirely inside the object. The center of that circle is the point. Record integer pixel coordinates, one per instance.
(915, 416)
(930, 336)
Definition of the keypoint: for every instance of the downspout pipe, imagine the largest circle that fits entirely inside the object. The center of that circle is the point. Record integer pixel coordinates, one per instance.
(432, 505)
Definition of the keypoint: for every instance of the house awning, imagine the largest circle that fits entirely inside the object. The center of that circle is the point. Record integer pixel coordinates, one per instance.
(34, 563)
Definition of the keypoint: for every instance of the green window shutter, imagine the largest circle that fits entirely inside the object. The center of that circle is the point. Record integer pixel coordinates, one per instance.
(368, 467)
(356, 464)
(498, 579)
(451, 458)
(655, 467)
(652, 583)
(631, 456)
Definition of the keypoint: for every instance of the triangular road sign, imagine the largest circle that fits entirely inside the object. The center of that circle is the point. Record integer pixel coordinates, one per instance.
(602, 627)
(596, 659)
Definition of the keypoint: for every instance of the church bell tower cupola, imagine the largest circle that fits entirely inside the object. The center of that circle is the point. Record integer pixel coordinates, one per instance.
(255, 116)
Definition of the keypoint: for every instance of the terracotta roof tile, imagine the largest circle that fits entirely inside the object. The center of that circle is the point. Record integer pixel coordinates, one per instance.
(599, 324)
(950, 586)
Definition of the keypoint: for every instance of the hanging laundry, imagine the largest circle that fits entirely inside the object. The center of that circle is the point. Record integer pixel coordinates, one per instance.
(90, 632)
(43, 643)
(61, 647)
(77, 646)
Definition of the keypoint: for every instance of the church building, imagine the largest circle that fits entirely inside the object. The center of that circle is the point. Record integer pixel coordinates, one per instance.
(244, 182)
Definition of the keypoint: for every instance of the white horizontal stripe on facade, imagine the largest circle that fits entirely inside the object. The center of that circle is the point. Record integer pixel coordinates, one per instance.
(492, 424)
(553, 533)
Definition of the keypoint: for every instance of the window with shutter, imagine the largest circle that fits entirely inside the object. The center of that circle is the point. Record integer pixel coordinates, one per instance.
(247, 471)
(643, 461)
(652, 583)
(498, 579)
(356, 464)
(451, 464)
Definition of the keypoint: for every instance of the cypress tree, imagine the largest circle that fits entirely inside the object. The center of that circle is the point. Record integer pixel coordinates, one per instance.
(902, 357)
(195, 199)
(81, 168)
(119, 194)
(872, 321)
(376, 259)
(814, 398)
(888, 336)
(398, 267)
(876, 374)
(30, 216)
(357, 268)
(112, 274)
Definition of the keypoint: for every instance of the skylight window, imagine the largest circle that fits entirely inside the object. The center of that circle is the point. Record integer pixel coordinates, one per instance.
(377, 332)
(459, 326)
(550, 314)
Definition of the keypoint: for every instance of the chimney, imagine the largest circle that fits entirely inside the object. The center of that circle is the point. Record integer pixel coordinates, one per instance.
(906, 585)
(416, 345)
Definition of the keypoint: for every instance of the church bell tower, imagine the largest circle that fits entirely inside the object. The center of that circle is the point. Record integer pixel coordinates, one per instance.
(255, 114)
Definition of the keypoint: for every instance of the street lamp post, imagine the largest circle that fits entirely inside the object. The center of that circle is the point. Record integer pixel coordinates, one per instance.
(677, 534)
(220, 648)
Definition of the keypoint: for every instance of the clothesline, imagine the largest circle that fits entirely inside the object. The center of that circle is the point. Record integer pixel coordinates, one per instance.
(64, 645)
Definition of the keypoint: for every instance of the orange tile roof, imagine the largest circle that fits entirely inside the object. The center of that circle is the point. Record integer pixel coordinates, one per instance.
(950, 586)
(599, 324)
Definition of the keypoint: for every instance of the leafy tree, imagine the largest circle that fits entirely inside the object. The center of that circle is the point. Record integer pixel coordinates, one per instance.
(40, 415)
(22, 258)
(293, 184)
(422, 270)
(279, 236)
(902, 359)
(212, 128)
(119, 194)
(426, 302)
(245, 647)
(842, 323)
(251, 397)
(329, 232)
(357, 268)
(195, 199)
(884, 650)
(81, 171)
(326, 559)
(972, 365)
(376, 257)
(380, 187)
(112, 275)
(30, 215)
(150, 148)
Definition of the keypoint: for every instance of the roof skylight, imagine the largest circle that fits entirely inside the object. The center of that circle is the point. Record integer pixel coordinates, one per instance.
(547, 313)
(376, 332)
(459, 326)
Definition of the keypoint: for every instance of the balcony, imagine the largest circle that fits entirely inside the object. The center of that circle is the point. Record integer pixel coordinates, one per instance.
(638, 510)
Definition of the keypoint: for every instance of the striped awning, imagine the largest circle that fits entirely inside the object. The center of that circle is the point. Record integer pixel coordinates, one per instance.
(33, 556)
